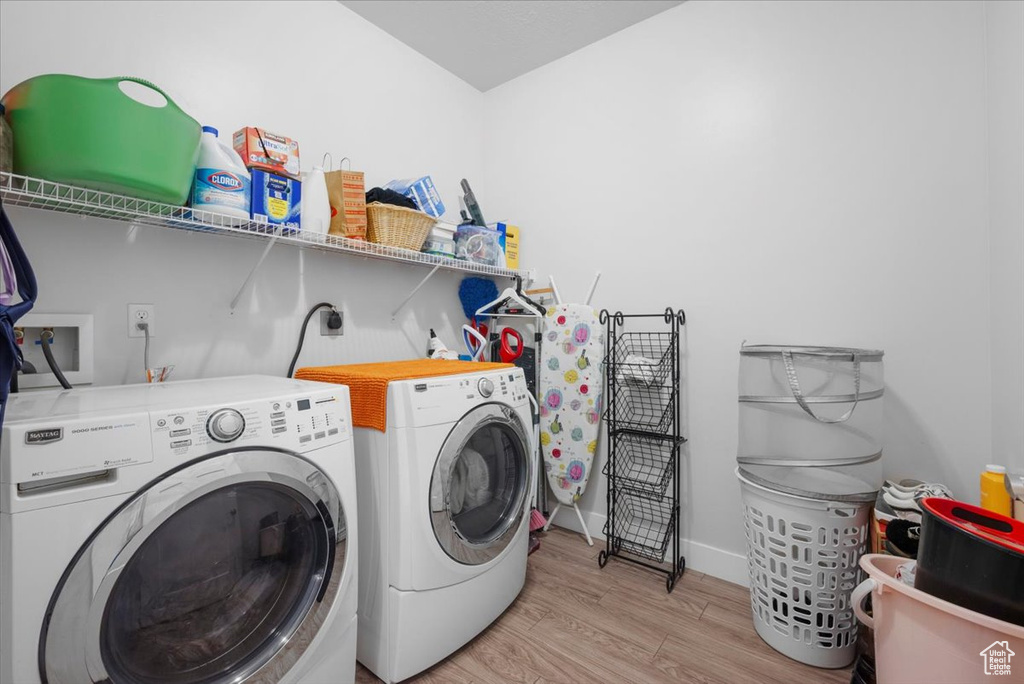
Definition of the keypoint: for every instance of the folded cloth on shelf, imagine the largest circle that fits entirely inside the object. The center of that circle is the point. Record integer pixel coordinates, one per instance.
(368, 382)
(390, 197)
(638, 370)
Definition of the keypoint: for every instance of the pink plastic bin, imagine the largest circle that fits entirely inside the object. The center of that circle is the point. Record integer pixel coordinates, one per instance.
(920, 638)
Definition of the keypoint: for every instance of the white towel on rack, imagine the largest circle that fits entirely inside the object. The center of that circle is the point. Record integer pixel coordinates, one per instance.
(637, 370)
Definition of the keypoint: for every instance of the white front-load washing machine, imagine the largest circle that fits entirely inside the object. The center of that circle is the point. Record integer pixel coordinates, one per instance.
(179, 533)
(443, 523)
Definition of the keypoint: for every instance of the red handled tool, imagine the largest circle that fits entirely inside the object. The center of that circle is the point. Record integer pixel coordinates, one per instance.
(506, 351)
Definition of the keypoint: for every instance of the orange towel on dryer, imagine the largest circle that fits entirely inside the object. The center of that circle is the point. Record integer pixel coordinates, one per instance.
(368, 382)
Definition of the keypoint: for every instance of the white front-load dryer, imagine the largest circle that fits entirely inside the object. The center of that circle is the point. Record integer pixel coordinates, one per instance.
(179, 533)
(443, 515)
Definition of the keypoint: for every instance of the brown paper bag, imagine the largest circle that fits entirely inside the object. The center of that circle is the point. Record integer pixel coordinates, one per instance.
(346, 191)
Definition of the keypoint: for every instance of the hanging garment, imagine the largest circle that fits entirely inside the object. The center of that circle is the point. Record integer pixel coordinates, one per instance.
(10, 353)
(8, 281)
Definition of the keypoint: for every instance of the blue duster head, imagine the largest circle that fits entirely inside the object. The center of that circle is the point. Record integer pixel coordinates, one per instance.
(474, 293)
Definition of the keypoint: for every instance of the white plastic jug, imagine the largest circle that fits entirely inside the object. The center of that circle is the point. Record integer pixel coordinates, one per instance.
(222, 184)
(315, 212)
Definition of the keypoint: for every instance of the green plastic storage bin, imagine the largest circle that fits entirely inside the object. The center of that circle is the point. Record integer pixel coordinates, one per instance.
(88, 132)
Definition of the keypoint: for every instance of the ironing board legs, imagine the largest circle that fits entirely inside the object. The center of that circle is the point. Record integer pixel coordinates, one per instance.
(579, 515)
(586, 532)
(551, 518)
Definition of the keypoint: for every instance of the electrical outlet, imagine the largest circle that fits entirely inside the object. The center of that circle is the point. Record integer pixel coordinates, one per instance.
(141, 313)
(324, 330)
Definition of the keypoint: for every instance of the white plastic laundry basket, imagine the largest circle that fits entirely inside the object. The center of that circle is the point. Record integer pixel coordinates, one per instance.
(802, 554)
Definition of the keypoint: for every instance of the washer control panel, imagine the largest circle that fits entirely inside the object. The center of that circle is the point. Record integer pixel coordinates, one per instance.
(509, 387)
(312, 421)
(298, 423)
(225, 425)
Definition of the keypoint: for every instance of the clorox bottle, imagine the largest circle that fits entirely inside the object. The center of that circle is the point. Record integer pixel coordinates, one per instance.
(222, 183)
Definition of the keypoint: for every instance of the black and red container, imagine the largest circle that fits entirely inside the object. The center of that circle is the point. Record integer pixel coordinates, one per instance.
(973, 558)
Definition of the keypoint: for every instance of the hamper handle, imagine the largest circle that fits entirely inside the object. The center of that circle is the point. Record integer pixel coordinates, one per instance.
(148, 84)
(794, 387)
(857, 598)
(142, 81)
(994, 526)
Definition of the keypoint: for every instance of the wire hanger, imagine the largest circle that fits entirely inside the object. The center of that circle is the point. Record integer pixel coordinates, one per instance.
(516, 295)
(523, 295)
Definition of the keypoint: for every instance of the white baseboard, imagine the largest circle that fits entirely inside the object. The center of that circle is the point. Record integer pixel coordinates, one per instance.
(709, 560)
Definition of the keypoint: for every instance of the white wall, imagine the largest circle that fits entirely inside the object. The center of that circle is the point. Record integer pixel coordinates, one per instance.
(788, 173)
(1005, 77)
(326, 78)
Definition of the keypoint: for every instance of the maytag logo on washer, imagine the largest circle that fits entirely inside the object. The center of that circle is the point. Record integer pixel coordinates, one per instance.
(44, 436)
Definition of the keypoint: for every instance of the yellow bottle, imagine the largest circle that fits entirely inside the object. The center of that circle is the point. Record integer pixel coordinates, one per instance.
(994, 496)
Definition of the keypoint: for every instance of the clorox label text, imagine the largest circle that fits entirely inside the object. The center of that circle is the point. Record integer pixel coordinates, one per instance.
(226, 181)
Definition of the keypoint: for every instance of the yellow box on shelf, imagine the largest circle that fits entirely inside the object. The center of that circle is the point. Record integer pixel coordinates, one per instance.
(510, 243)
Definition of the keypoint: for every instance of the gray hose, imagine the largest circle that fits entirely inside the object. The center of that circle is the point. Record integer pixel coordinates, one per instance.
(145, 355)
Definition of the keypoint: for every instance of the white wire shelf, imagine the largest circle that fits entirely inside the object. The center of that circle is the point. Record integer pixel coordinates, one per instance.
(35, 193)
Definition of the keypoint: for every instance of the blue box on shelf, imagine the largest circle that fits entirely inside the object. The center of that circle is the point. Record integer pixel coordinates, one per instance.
(422, 192)
(276, 200)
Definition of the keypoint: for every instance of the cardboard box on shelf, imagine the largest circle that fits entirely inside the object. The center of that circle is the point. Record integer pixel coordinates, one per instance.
(510, 244)
(260, 149)
(877, 534)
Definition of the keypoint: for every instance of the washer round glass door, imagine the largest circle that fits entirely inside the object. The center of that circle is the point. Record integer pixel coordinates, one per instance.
(204, 576)
(479, 485)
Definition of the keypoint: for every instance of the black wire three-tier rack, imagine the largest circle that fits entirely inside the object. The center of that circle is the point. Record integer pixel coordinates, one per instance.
(644, 442)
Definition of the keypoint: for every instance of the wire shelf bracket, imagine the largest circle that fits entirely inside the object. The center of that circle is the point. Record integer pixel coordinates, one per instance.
(252, 274)
(414, 291)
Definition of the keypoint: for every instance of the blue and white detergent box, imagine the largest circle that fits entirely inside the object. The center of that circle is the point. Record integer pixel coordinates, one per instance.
(276, 200)
(422, 192)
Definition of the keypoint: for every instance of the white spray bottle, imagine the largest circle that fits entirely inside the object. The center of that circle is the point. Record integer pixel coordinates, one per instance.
(436, 349)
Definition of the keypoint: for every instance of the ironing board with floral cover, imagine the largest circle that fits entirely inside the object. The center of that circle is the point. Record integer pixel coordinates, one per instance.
(571, 379)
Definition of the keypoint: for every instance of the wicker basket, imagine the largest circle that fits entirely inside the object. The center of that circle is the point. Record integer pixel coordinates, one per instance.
(395, 226)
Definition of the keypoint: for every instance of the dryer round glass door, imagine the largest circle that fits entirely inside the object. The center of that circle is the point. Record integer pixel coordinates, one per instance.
(216, 572)
(479, 485)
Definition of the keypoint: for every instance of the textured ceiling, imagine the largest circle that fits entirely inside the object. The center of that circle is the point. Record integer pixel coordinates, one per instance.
(488, 42)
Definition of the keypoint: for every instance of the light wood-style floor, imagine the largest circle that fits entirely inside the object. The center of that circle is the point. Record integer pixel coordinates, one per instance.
(575, 622)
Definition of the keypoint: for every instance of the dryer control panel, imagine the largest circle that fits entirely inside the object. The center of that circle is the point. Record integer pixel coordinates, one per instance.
(430, 401)
(298, 423)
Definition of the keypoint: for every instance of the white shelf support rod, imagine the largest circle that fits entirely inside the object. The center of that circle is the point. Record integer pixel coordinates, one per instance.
(252, 273)
(414, 291)
(593, 286)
